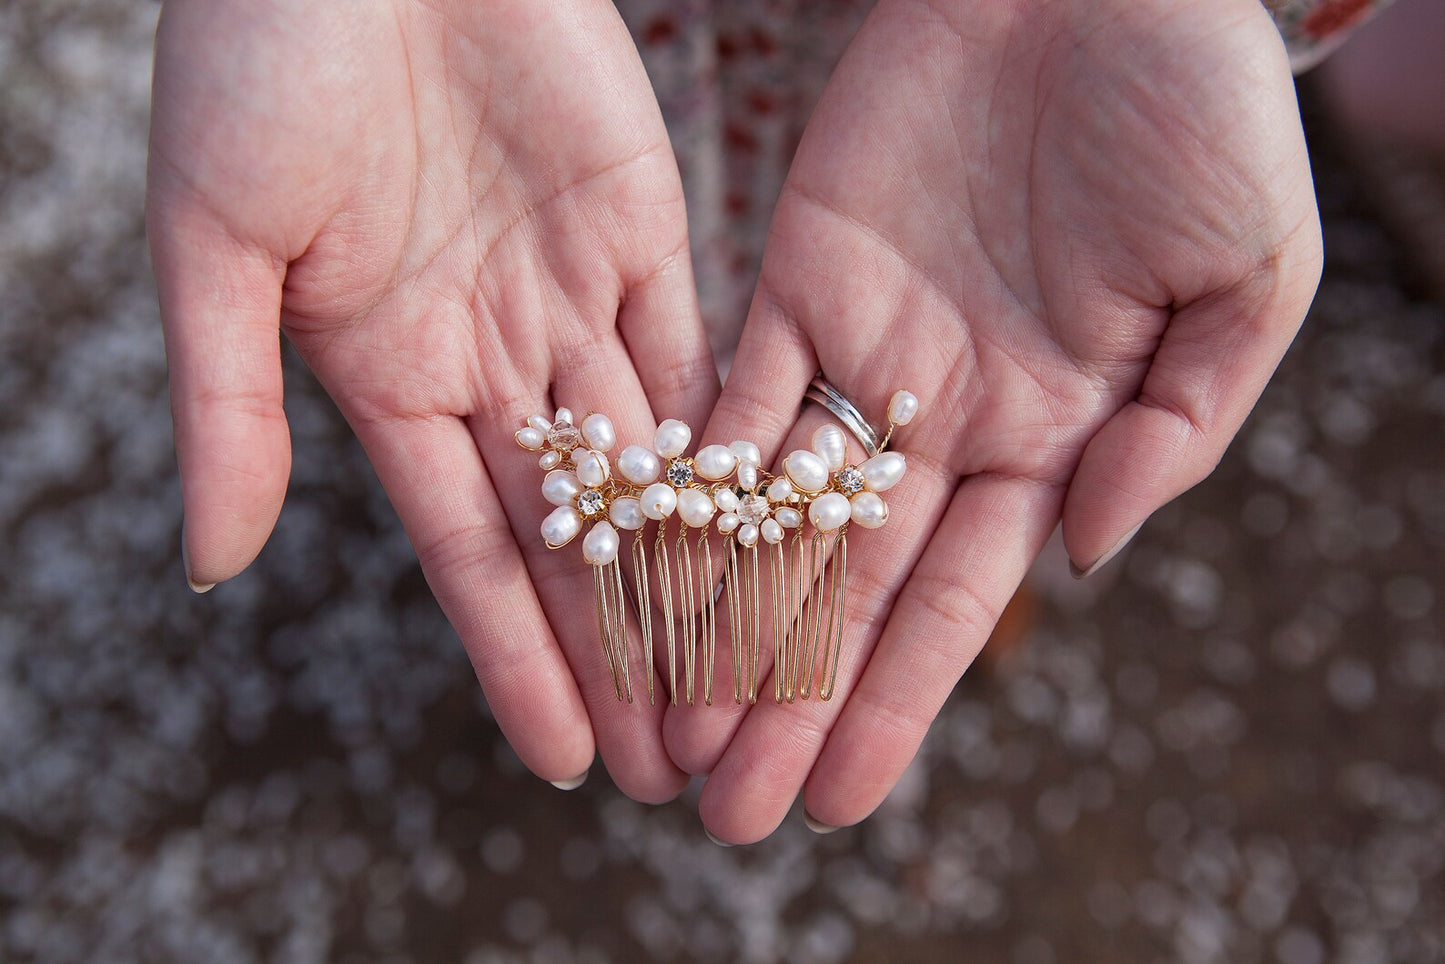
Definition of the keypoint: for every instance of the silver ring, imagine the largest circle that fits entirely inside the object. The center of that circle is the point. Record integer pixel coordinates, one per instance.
(822, 392)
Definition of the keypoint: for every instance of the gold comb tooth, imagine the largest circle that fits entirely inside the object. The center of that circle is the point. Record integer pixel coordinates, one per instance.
(706, 589)
(731, 589)
(644, 610)
(619, 614)
(838, 598)
(686, 610)
(755, 600)
(664, 587)
(604, 625)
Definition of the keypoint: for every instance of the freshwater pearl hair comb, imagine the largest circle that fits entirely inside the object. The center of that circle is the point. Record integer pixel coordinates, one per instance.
(799, 518)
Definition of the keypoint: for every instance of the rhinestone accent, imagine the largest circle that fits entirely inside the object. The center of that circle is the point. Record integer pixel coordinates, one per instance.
(679, 473)
(564, 436)
(849, 479)
(753, 510)
(591, 503)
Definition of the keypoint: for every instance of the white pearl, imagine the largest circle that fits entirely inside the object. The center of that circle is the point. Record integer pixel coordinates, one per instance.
(694, 508)
(714, 462)
(564, 415)
(902, 407)
(788, 517)
(806, 471)
(727, 522)
(601, 545)
(561, 526)
(882, 471)
(541, 423)
(638, 465)
(831, 446)
(598, 431)
(771, 532)
(748, 535)
(560, 487)
(550, 460)
(869, 509)
(726, 499)
(829, 511)
(530, 438)
(672, 438)
(779, 489)
(593, 469)
(659, 500)
(747, 475)
(746, 452)
(626, 513)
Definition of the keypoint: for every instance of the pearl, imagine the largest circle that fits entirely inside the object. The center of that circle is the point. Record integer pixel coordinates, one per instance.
(726, 499)
(771, 532)
(902, 407)
(714, 462)
(882, 471)
(694, 508)
(531, 438)
(560, 487)
(638, 465)
(747, 475)
(593, 468)
(658, 500)
(831, 446)
(601, 545)
(727, 522)
(779, 490)
(829, 511)
(541, 423)
(746, 452)
(672, 438)
(550, 460)
(748, 535)
(808, 472)
(869, 510)
(626, 513)
(564, 415)
(788, 517)
(561, 526)
(598, 431)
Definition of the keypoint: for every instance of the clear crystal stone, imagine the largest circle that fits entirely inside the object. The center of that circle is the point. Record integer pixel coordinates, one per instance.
(679, 473)
(591, 503)
(849, 479)
(753, 509)
(564, 436)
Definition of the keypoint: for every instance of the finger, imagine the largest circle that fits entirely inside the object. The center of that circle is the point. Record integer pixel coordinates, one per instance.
(664, 335)
(220, 308)
(446, 501)
(993, 530)
(764, 767)
(1211, 365)
(597, 375)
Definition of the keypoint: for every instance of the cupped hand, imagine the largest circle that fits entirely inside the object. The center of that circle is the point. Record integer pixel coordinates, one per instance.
(1083, 234)
(461, 214)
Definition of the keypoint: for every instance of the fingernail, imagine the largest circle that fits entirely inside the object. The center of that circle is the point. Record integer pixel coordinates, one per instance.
(573, 783)
(816, 825)
(198, 588)
(720, 843)
(1103, 560)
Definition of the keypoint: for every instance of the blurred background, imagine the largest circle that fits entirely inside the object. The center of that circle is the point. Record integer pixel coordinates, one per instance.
(1227, 748)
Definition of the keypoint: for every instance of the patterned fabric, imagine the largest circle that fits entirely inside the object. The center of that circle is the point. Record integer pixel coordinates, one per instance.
(1312, 29)
(737, 81)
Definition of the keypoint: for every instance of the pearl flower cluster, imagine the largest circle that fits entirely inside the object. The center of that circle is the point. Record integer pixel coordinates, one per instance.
(721, 485)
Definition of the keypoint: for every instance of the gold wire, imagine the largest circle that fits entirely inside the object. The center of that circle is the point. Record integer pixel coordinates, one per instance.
(644, 610)
(664, 586)
(836, 609)
(705, 580)
(735, 628)
(817, 570)
(619, 613)
(797, 615)
(779, 581)
(755, 603)
(604, 627)
(687, 609)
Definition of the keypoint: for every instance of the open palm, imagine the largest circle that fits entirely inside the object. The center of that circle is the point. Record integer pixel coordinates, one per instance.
(1083, 235)
(461, 214)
